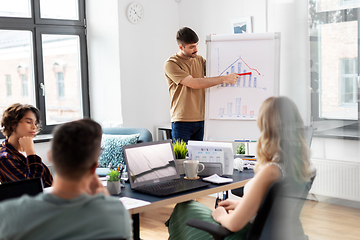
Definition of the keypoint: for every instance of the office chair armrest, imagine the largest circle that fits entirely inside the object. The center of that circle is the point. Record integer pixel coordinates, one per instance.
(217, 231)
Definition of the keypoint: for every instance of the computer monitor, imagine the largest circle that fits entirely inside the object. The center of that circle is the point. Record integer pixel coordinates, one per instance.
(17, 188)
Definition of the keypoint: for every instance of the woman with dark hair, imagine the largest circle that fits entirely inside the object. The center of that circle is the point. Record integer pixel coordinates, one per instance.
(282, 154)
(18, 161)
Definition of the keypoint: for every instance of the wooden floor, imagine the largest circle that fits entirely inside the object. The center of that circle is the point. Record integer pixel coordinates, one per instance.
(321, 221)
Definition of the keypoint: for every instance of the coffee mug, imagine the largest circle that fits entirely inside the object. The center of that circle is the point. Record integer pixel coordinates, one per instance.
(192, 168)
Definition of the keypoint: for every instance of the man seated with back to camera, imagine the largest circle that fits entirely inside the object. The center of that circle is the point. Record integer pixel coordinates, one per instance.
(78, 207)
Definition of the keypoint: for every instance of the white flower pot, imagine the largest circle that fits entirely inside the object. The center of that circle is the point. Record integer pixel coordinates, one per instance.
(114, 188)
(180, 165)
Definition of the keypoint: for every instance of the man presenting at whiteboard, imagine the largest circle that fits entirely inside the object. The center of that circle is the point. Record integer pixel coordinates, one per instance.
(185, 73)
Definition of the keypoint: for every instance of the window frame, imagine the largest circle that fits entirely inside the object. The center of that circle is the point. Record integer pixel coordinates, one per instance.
(39, 26)
(328, 17)
(333, 128)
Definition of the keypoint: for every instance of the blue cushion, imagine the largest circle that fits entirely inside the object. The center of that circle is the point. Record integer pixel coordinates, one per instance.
(113, 152)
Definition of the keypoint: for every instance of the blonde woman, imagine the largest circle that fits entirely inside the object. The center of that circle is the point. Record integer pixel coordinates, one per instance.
(282, 154)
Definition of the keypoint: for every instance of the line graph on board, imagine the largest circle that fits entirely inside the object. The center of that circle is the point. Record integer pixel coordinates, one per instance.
(246, 79)
(242, 99)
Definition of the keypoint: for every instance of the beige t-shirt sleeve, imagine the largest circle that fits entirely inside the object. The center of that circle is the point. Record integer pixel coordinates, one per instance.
(174, 72)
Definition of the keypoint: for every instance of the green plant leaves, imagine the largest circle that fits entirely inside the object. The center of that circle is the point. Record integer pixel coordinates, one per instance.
(180, 149)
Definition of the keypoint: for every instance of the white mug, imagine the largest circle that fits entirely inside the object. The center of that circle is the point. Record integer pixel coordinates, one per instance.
(192, 168)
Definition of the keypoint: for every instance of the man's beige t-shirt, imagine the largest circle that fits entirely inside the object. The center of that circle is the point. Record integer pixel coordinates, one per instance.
(187, 104)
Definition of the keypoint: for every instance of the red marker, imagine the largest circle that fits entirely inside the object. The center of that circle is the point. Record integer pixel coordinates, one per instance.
(242, 74)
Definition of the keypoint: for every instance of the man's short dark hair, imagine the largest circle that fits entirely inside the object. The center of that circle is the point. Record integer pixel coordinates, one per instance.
(186, 36)
(14, 113)
(75, 147)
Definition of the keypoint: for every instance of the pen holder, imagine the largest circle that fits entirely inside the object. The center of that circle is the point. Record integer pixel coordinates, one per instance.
(114, 188)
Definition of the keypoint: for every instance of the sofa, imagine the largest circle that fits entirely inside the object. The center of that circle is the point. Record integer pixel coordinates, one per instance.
(112, 142)
(145, 135)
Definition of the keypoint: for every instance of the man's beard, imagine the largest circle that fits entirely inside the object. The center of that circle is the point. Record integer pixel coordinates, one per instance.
(191, 55)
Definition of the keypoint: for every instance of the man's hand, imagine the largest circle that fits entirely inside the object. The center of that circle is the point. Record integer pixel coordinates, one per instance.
(95, 186)
(231, 78)
(27, 145)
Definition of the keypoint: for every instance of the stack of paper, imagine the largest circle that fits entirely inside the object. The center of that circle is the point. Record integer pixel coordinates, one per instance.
(217, 179)
(130, 203)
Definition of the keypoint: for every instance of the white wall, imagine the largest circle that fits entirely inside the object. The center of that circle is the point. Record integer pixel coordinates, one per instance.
(144, 47)
(290, 18)
(214, 17)
(104, 62)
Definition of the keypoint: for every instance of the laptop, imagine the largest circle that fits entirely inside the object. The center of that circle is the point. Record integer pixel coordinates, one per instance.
(152, 169)
(16, 189)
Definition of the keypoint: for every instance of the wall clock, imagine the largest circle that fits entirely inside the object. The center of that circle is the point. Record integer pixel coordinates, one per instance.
(135, 12)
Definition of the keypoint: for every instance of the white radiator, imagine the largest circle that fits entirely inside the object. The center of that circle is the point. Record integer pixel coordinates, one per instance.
(337, 179)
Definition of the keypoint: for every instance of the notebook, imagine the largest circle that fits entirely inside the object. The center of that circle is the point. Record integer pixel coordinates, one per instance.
(151, 169)
(17, 188)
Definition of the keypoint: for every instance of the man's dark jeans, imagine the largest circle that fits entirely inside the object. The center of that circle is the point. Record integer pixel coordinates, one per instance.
(187, 131)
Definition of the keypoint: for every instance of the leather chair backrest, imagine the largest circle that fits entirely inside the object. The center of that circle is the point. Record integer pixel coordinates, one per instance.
(279, 213)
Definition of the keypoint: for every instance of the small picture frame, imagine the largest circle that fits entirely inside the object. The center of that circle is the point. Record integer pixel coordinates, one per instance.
(241, 25)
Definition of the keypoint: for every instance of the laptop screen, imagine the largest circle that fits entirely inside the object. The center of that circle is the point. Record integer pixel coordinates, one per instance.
(150, 162)
(18, 188)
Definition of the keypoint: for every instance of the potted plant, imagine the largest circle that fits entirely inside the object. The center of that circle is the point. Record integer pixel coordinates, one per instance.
(180, 151)
(113, 183)
(240, 150)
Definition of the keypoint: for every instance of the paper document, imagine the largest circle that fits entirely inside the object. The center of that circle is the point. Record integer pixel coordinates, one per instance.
(130, 203)
(217, 179)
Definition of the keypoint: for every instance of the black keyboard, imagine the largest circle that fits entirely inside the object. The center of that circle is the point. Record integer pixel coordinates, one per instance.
(166, 185)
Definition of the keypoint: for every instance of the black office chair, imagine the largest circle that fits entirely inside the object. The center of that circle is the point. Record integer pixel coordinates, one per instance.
(273, 220)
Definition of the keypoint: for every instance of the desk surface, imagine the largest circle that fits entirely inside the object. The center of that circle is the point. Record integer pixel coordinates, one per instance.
(240, 178)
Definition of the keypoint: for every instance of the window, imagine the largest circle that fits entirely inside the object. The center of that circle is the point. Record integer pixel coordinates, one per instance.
(43, 51)
(24, 86)
(15, 8)
(349, 2)
(61, 84)
(348, 82)
(8, 85)
(334, 53)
